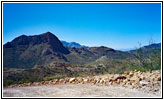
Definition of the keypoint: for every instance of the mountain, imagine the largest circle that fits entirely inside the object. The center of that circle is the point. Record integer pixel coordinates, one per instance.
(109, 52)
(148, 48)
(27, 51)
(153, 46)
(73, 44)
(40, 57)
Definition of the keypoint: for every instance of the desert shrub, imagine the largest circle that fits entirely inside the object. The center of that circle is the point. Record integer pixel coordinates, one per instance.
(23, 81)
(48, 78)
(53, 77)
(140, 68)
(8, 82)
(155, 59)
(146, 59)
(104, 70)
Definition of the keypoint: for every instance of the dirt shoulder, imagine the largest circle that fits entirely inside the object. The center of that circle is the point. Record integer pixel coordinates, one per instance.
(75, 90)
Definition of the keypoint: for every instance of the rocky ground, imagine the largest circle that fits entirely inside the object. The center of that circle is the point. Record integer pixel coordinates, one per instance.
(75, 90)
(134, 83)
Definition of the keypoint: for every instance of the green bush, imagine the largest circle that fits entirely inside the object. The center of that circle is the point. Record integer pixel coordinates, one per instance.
(104, 70)
(48, 78)
(23, 81)
(145, 60)
(8, 82)
(53, 77)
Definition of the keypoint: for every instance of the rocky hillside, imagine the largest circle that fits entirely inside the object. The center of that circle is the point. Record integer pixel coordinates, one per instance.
(28, 51)
(46, 72)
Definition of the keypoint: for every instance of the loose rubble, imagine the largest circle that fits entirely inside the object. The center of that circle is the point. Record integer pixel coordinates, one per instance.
(149, 81)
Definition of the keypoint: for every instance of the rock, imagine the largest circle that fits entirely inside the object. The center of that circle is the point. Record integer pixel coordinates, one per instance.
(101, 81)
(120, 77)
(159, 78)
(61, 81)
(143, 83)
(97, 80)
(131, 74)
(135, 70)
(128, 83)
(35, 83)
(110, 83)
(124, 81)
(85, 80)
(67, 79)
(142, 77)
(123, 84)
(80, 80)
(135, 79)
(115, 76)
(150, 71)
(126, 73)
(71, 79)
(118, 81)
(134, 84)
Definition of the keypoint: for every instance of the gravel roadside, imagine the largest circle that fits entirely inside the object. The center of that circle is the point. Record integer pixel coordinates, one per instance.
(75, 90)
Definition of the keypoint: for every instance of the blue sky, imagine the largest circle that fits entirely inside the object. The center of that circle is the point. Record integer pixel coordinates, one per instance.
(115, 25)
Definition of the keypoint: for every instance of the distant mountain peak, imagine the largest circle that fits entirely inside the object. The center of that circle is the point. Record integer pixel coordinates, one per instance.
(73, 44)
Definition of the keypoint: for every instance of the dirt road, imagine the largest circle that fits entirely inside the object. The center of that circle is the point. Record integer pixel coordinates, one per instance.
(75, 90)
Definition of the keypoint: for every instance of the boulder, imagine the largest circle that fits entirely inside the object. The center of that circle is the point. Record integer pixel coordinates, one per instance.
(126, 73)
(85, 80)
(131, 74)
(159, 78)
(142, 77)
(120, 77)
(135, 79)
(143, 83)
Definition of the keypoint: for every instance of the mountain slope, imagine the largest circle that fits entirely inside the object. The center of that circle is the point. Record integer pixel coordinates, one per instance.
(27, 51)
(109, 52)
(155, 47)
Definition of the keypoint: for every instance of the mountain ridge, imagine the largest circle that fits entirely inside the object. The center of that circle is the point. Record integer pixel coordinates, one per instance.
(31, 50)
(28, 51)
